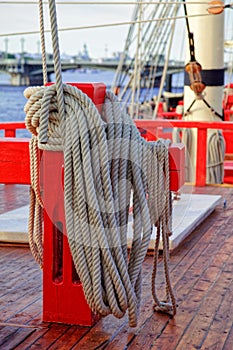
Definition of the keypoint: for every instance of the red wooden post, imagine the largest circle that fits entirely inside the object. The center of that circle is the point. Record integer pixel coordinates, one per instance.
(63, 297)
(176, 166)
(14, 161)
(11, 127)
(10, 133)
(228, 113)
(201, 157)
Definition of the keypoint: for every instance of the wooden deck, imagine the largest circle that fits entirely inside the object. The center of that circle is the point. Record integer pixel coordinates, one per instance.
(201, 274)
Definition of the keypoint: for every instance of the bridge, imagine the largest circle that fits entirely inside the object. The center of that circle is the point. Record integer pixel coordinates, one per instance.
(28, 71)
(25, 71)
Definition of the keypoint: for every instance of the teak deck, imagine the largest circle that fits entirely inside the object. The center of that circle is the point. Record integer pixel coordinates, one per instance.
(201, 274)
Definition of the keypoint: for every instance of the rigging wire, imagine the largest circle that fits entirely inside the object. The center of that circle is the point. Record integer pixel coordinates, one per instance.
(159, 46)
(137, 70)
(106, 25)
(101, 2)
(190, 34)
(152, 52)
(165, 67)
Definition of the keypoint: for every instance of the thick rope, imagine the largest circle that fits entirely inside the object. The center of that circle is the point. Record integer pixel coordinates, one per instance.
(215, 159)
(104, 158)
(42, 40)
(36, 204)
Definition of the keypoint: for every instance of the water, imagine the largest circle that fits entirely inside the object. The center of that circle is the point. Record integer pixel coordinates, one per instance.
(12, 100)
(12, 103)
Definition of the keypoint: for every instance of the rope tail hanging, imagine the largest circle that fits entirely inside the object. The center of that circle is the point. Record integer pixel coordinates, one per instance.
(36, 203)
(105, 160)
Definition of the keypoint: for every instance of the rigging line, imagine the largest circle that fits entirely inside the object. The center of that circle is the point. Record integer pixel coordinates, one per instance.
(165, 66)
(155, 30)
(190, 35)
(42, 40)
(105, 3)
(119, 79)
(186, 14)
(95, 26)
(157, 46)
(137, 70)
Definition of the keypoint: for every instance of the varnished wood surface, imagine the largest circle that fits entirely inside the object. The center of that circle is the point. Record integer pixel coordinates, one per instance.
(13, 197)
(201, 274)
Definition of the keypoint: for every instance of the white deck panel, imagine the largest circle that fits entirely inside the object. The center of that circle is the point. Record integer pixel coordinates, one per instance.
(188, 212)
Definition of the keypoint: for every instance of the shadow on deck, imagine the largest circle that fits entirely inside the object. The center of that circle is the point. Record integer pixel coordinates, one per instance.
(201, 274)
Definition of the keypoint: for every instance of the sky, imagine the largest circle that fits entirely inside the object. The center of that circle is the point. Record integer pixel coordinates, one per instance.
(100, 42)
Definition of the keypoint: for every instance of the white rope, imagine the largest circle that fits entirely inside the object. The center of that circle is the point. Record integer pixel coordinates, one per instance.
(42, 41)
(215, 158)
(103, 158)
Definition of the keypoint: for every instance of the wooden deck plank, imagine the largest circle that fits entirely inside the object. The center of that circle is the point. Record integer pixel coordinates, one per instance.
(118, 334)
(17, 308)
(29, 315)
(71, 337)
(221, 324)
(201, 270)
(11, 252)
(148, 334)
(229, 341)
(179, 279)
(47, 339)
(199, 327)
(31, 338)
(13, 197)
(12, 336)
(192, 291)
(14, 278)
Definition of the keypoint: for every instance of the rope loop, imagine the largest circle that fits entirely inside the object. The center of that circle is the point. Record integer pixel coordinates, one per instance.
(107, 163)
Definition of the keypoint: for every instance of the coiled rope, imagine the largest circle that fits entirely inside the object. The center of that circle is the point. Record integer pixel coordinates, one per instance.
(105, 158)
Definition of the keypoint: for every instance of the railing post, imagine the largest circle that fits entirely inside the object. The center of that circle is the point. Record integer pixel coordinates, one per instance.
(201, 157)
(10, 133)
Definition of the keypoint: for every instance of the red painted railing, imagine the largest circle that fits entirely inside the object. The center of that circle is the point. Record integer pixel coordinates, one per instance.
(14, 155)
(228, 114)
(11, 127)
(153, 125)
(202, 127)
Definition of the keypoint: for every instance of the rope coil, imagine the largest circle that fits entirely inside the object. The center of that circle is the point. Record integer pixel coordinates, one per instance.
(104, 158)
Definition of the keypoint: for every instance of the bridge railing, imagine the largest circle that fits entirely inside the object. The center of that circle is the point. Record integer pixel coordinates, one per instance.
(152, 126)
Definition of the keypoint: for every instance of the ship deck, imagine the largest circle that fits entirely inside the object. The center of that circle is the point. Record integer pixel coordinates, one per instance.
(201, 274)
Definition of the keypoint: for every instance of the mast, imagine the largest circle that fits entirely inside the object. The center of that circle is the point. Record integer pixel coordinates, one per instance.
(208, 32)
(147, 41)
